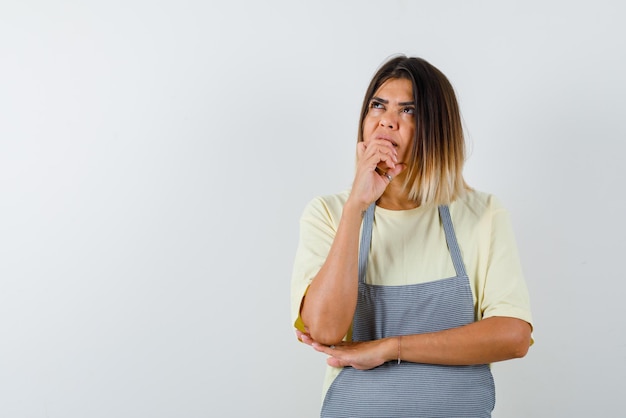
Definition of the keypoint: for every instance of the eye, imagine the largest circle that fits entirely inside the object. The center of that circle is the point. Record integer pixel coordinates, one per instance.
(376, 105)
(409, 110)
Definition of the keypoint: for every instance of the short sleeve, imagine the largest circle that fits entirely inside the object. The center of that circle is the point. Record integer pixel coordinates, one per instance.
(505, 292)
(318, 226)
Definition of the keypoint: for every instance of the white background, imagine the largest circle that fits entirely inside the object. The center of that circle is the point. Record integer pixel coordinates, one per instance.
(155, 157)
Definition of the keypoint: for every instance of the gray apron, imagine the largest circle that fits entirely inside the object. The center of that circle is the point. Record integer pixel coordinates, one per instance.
(411, 389)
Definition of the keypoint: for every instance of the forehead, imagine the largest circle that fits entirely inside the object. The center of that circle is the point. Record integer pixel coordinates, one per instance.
(399, 89)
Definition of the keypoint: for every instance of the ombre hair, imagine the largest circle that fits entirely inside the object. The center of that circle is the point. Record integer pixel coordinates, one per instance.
(434, 173)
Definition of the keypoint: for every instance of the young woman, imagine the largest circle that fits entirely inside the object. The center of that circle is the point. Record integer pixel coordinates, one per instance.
(410, 281)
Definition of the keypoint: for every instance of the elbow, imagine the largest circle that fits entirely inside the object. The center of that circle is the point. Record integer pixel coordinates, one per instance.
(519, 349)
(326, 335)
(519, 340)
(324, 331)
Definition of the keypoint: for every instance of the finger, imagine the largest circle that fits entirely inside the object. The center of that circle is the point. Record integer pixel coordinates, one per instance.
(382, 159)
(393, 172)
(320, 347)
(381, 143)
(305, 338)
(360, 150)
(386, 175)
(335, 362)
(382, 146)
(327, 349)
(381, 151)
(387, 160)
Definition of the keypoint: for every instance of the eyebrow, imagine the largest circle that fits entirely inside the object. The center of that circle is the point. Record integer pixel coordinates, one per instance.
(383, 101)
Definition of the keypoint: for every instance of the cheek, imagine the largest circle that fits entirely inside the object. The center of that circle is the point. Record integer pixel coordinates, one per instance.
(369, 126)
(407, 145)
(408, 134)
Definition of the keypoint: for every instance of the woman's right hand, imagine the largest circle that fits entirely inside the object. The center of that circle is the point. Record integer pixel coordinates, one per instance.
(360, 355)
(377, 165)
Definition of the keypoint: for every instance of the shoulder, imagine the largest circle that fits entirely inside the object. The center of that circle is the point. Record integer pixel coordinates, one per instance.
(478, 211)
(326, 206)
(477, 203)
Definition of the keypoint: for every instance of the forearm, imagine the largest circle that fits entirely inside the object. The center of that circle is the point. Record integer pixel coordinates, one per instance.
(486, 341)
(329, 304)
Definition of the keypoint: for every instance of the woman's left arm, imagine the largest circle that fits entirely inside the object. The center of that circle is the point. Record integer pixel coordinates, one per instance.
(486, 341)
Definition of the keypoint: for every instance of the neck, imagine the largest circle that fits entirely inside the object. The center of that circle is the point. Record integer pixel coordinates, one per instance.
(396, 201)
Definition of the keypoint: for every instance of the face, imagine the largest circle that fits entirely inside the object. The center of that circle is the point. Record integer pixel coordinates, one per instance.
(391, 116)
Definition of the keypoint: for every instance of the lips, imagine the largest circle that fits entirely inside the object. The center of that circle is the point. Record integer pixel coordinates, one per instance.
(386, 138)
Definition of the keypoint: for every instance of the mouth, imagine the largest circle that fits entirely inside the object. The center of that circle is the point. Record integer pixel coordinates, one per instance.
(394, 143)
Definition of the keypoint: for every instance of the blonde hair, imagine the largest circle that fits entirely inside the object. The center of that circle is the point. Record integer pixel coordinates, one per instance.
(434, 173)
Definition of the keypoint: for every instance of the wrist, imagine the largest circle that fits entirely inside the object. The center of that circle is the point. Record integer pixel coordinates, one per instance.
(356, 209)
(391, 349)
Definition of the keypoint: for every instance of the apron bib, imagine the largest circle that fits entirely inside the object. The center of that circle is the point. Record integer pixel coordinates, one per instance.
(411, 389)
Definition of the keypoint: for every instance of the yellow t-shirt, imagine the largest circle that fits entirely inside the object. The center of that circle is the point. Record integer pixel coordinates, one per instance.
(409, 246)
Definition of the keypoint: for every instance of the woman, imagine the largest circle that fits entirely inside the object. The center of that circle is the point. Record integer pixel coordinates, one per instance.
(410, 281)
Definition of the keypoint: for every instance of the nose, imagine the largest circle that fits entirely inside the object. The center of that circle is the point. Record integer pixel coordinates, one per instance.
(388, 122)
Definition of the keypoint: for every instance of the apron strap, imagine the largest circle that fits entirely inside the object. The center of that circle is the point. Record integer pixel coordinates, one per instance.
(366, 240)
(453, 245)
